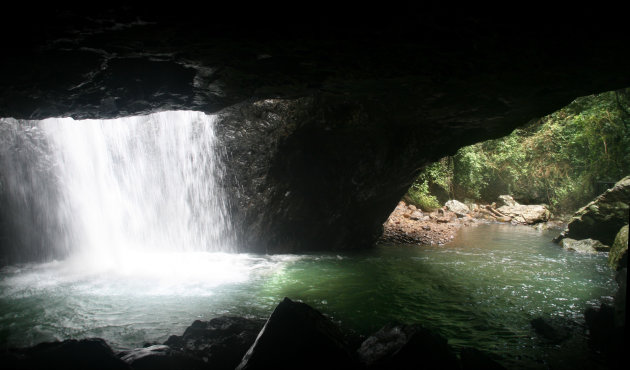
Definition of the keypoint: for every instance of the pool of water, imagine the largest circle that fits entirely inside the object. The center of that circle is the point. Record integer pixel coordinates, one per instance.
(480, 290)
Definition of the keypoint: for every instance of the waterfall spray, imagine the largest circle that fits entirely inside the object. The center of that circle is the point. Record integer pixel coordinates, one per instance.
(107, 189)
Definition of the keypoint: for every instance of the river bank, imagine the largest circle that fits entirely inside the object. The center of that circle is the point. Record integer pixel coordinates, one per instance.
(408, 224)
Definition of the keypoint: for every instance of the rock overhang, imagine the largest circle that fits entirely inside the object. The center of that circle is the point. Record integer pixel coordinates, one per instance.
(337, 108)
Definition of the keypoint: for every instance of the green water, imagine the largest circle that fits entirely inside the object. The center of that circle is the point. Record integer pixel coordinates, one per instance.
(481, 290)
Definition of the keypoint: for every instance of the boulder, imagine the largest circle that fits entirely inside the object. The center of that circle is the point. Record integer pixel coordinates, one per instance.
(406, 347)
(416, 215)
(296, 336)
(507, 200)
(602, 218)
(220, 342)
(161, 357)
(521, 213)
(458, 207)
(584, 245)
(91, 353)
(618, 256)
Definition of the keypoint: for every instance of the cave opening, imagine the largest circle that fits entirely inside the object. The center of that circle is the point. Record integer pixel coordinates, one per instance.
(135, 213)
(325, 118)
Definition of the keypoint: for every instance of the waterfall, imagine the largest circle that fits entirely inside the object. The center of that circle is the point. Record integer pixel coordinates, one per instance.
(108, 188)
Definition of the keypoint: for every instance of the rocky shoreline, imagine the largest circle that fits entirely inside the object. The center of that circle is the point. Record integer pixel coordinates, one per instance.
(407, 224)
(296, 336)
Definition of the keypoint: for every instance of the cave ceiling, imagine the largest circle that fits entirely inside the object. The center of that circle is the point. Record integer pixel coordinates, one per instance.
(327, 110)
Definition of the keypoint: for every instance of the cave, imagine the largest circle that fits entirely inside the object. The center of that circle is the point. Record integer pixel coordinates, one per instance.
(325, 114)
(336, 108)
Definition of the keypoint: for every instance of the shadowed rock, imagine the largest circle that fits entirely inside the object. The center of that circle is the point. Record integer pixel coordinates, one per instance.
(297, 336)
(220, 342)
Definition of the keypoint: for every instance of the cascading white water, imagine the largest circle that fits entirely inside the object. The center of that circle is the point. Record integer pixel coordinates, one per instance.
(114, 189)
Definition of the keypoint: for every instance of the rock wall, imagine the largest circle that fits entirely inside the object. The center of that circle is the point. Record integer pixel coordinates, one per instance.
(326, 115)
(602, 218)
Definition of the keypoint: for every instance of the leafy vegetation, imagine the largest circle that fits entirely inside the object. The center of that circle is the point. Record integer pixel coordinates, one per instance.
(561, 160)
(418, 195)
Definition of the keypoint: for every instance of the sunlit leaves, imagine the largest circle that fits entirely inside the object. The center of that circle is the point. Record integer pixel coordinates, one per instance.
(557, 160)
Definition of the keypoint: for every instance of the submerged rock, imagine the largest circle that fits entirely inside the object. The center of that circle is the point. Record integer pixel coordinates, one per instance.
(220, 342)
(618, 257)
(602, 218)
(296, 336)
(161, 357)
(584, 245)
(82, 354)
(406, 347)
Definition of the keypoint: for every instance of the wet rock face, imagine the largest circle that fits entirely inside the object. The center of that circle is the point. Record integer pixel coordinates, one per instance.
(296, 335)
(326, 115)
(220, 343)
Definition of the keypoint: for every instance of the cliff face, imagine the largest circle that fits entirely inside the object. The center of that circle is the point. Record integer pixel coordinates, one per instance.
(326, 116)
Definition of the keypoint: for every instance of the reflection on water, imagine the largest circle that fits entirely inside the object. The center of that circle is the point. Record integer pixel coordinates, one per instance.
(481, 290)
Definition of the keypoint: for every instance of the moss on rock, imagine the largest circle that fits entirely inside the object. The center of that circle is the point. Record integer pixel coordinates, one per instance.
(618, 257)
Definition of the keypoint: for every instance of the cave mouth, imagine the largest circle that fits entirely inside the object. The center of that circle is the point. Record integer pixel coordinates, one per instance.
(72, 194)
(124, 193)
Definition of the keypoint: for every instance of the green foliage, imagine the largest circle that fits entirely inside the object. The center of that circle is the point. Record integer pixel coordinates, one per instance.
(418, 195)
(557, 160)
